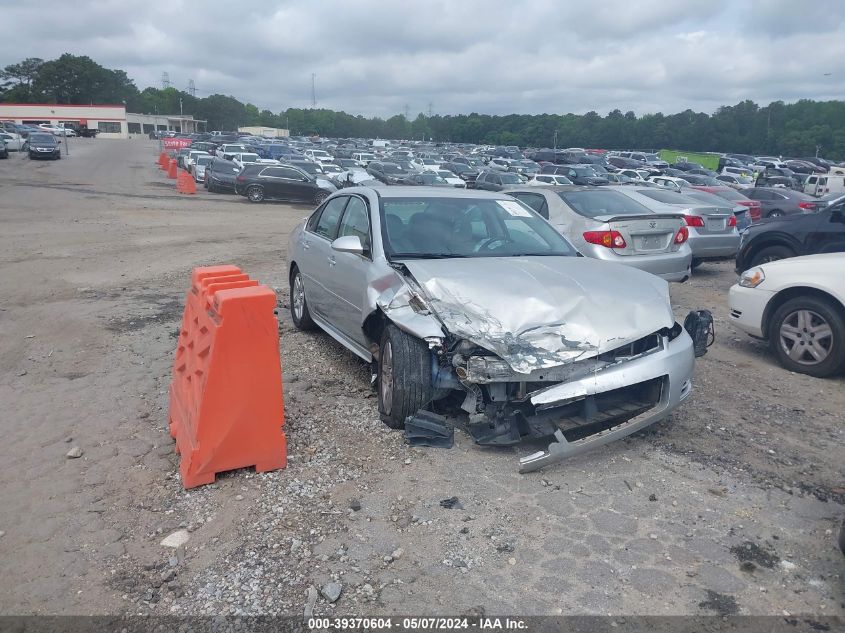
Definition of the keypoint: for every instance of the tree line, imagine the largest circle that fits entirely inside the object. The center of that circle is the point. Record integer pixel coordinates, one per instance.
(803, 128)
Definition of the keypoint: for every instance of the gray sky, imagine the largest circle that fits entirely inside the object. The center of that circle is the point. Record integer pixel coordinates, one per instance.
(373, 57)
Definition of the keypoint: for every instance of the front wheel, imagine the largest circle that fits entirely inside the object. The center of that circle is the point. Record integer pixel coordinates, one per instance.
(808, 336)
(771, 254)
(298, 305)
(255, 193)
(404, 376)
(320, 198)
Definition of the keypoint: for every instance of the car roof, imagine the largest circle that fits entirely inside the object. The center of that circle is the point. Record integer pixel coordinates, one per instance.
(424, 192)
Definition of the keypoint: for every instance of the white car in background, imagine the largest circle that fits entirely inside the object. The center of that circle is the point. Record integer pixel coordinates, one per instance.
(448, 176)
(191, 158)
(199, 166)
(57, 130)
(318, 156)
(424, 164)
(670, 182)
(230, 148)
(13, 142)
(798, 305)
(248, 158)
(548, 180)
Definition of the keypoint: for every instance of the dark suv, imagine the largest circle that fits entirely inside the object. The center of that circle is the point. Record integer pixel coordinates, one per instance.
(463, 171)
(388, 173)
(43, 146)
(496, 180)
(269, 182)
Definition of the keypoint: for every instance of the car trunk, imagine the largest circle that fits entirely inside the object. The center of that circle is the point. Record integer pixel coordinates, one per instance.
(715, 220)
(644, 234)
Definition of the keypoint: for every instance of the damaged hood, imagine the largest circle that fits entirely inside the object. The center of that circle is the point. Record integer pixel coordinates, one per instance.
(539, 312)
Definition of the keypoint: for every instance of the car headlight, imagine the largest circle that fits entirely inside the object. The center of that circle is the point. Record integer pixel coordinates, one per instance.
(752, 277)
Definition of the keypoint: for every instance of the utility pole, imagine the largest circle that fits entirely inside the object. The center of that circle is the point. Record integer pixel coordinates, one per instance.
(313, 90)
(180, 106)
(555, 140)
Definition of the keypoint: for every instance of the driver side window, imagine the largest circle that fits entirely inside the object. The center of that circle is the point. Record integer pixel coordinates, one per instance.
(356, 221)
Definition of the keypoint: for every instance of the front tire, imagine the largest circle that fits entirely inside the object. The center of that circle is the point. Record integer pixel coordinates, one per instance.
(404, 376)
(772, 254)
(255, 193)
(808, 336)
(298, 304)
(320, 198)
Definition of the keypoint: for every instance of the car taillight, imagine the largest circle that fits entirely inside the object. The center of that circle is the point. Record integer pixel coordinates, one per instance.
(807, 207)
(732, 221)
(694, 220)
(608, 239)
(682, 235)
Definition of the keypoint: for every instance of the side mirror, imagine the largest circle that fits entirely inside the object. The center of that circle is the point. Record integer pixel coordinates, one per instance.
(348, 244)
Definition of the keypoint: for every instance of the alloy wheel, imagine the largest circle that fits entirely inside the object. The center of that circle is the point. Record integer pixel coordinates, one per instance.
(806, 337)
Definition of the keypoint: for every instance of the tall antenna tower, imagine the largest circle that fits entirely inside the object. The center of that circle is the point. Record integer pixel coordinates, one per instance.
(192, 89)
(407, 111)
(165, 81)
(313, 90)
(430, 107)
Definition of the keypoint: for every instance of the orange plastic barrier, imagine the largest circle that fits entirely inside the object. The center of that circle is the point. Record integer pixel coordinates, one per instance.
(171, 169)
(163, 161)
(185, 183)
(226, 403)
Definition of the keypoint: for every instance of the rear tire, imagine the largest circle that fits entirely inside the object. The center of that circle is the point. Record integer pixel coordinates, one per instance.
(298, 304)
(804, 329)
(320, 198)
(695, 263)
(404, 376)
(771, 254)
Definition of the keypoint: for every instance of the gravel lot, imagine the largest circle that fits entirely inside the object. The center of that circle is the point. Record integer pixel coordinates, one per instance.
(732, 506)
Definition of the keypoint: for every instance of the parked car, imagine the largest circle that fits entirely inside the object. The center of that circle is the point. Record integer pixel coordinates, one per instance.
(791, 236)
(191, 158)
(13, 141)
(712, 230)
(585, 175)
(471, 293)
(199, 165)
(43, 145)
(490, 180)
(673, 183)
(548, 180)
(606, 225)
(258, 183)
(426, 179)
(778, 201)
(220, 175)
(363, 158)
(388, 173)
(735, 181)
(463, 171)
(743, 219)
(798, 305)
(318, 156)
(4, 149)
(822, 184)
(755, 210)
(449, 177)
(231, 148)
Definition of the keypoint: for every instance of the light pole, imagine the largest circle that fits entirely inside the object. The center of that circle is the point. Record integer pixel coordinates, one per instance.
(555, 140)
(67, 147)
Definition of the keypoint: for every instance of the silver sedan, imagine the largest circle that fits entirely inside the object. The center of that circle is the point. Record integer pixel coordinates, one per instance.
(447, 291)
(606, 225)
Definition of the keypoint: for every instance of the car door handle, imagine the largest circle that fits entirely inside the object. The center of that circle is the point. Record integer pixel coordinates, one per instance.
(332, 260)
(305, 245)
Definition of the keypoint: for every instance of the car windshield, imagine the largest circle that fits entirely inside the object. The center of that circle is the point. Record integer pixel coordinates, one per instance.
(311, 168)
(510, 179)
(321, 153)
(592, 204)
(249, 158)
(730, 194)
(41, 138)
(431, 179)
(203, 160)
(434, 228)
(651, 156)
(584, 172)
(445, 174)
(390, 168)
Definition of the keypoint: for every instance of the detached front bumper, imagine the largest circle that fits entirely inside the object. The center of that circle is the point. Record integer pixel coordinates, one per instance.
(669, 370)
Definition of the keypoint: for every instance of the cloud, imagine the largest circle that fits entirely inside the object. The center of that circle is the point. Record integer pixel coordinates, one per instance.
(372, 57)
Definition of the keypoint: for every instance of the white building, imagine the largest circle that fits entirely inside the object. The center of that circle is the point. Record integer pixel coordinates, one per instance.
(269, 132)
(146, 123)
(111, 121)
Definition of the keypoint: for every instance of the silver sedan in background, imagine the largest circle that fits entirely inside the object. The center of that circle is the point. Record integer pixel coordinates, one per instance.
(606, 225)
(712, 229)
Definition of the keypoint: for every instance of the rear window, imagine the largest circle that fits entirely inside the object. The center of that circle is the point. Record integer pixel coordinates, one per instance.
(666, 197)
(592, 204)
(730, 194)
